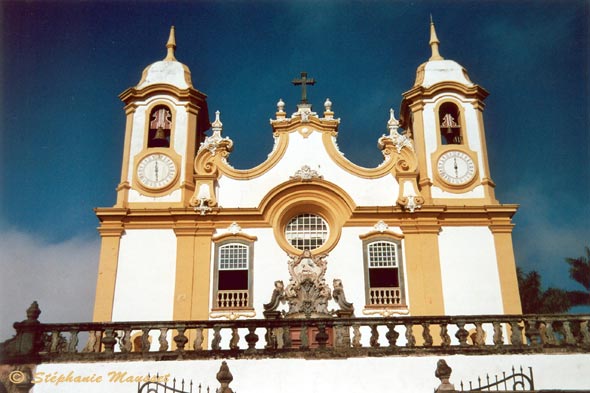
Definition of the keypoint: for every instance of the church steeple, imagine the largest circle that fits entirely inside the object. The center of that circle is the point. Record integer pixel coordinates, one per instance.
(171, 46)
(434, 43)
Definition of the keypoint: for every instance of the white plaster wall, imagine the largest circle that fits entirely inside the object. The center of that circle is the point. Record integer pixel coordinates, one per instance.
(180, 122)
(469, 270)
(146, 271)
(471, 127)
(376, 374)
(345, 262)
(307, 151)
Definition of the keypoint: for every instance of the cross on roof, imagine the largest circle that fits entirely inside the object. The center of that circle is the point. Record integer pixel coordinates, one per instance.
(304, 81)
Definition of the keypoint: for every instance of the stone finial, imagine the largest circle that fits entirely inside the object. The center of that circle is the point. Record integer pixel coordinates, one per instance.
(392, 123)
(328, 105)
(281, 106)
(443, 372)
(434, 43)
(171, 46)
(33, 312)
(217, 125)
(224, 377)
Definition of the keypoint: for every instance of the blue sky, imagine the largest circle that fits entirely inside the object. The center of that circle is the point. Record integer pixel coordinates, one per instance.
(64, 63)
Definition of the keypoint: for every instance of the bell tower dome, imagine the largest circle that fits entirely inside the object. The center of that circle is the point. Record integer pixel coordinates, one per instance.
(443, 112)
(166, 121)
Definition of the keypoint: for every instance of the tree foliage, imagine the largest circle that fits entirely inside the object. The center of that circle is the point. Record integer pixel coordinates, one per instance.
(535, 300)
(580, 272)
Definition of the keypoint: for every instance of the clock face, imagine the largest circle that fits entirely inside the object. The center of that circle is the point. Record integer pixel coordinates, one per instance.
(156, 171)
(456, 167)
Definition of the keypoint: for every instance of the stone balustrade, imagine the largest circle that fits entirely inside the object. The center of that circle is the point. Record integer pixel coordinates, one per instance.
(296, 338)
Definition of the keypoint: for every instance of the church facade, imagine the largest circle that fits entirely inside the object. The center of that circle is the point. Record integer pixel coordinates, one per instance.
(420, 234)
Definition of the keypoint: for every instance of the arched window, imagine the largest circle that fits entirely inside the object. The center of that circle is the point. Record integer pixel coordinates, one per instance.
(384, 281)
(233, 276)
(450, 127)
(160, 127)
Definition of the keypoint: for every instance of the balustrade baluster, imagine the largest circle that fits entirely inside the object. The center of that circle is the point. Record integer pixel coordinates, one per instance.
(532, 333)
(180, 339)
(322, 337)
(374, 340)
(287, 337)
(444, 335)
(462, 333)
(546, 333)
(235, 338)
(516, 336)
(303, 337)
(216, 338)
(163, 339)
(391, 335)
(356, 336)
(125, 344)
(93, 343)
(54, 341)
(109, 340)
(498, 335)
(145, 340)
(197, 345)
(410, 339)
(479, 335)
(251, 338)
(73, 343)
(585, 333)
(567, 332)
(270, 338)
(426, 334)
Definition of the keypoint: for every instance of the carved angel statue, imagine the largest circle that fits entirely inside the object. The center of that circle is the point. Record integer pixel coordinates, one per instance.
(278, 297)
(340, 297)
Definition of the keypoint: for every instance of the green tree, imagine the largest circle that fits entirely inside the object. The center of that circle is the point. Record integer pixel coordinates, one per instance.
(535, 300)
(580, 272)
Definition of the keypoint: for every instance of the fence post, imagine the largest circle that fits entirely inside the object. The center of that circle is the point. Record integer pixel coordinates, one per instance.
(443, 372)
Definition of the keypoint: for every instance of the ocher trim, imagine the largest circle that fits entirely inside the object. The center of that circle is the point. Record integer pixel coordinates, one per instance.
(507, 272)
(383, 169)
(237, 236)
(423, 274)
(319, 197)
(206, 164)
(373, 235)
(107, 273)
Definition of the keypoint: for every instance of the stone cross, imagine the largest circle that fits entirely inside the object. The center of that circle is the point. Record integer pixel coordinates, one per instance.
(304, 81)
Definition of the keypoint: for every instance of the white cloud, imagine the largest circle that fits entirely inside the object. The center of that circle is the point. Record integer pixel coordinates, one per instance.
(61, 277)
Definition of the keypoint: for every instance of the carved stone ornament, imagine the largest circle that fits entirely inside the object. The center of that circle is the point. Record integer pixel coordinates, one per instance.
(381, 226)
(412, 203)
(213, 142)
(400, 141)
(306, 174)
(234, 228)
(307, 293)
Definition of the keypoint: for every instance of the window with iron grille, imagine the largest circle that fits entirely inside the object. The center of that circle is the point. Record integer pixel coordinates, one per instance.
(307, 231)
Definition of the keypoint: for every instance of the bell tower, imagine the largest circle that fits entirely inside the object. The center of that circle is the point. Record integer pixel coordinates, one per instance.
(166, 121)
(443, 112)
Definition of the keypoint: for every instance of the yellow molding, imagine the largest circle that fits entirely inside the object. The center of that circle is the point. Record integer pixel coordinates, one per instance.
(133, 94)
(368, 173)
(377, 234)
(207, 164)
(238, 236)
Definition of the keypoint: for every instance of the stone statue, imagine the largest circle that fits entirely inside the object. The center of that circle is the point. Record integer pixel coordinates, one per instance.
(340, 297)
(278, 297)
